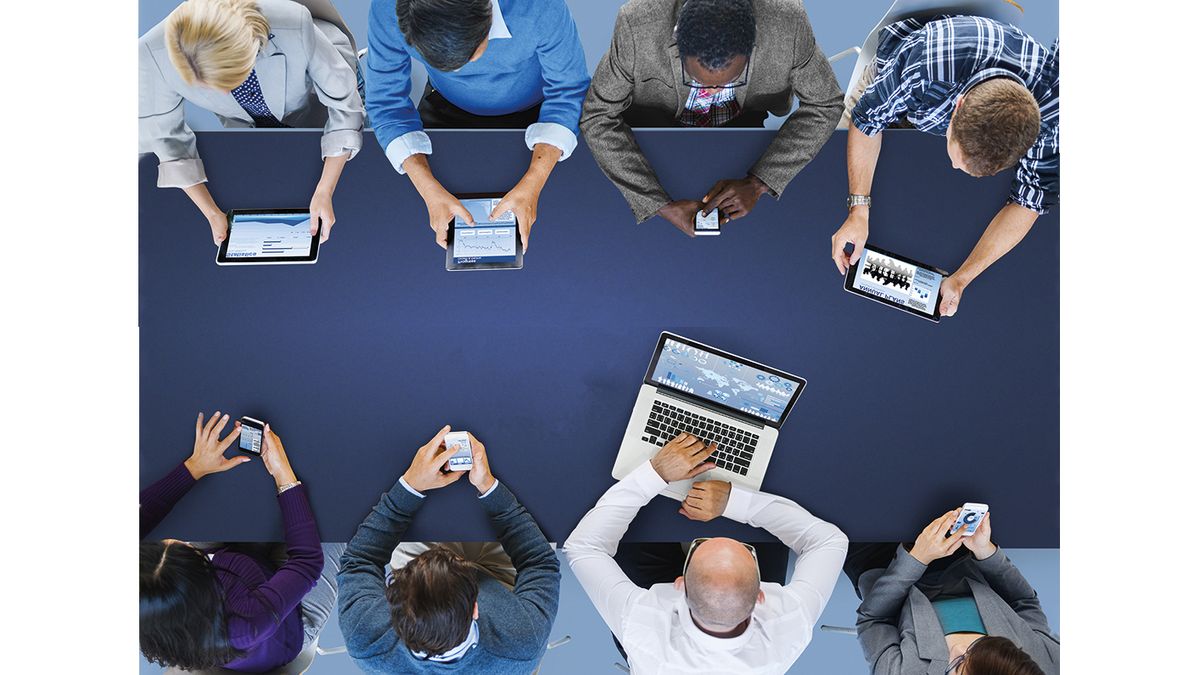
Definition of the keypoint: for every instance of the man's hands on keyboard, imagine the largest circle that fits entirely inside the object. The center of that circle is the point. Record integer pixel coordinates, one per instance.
(683, 457)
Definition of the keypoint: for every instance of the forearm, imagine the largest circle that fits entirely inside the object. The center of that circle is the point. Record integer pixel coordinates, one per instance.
(536, 564)
(200, 196)
(304, 556)
(1008, 582)
(884, 599)
(331, 173)
(383, 528)
(1005, 231)
(541, 164)
(417, 168)
(157, 500)
(862, 154)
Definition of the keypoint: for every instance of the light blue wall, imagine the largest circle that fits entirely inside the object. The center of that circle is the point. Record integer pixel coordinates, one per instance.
(838, 24)
(591, 651)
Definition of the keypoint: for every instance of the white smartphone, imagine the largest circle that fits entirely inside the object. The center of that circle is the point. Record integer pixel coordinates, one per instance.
(460, 443)
(710, 224)
(970, 517)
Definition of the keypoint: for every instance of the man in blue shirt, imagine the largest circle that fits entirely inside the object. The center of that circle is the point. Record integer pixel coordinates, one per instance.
(491, 64)
(992, 91)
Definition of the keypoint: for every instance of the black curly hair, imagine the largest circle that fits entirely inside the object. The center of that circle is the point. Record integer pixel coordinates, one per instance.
(715, 31)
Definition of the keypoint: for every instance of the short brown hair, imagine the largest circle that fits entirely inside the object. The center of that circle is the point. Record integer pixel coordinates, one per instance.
(432, 599)
(996, 123)
(999, 656)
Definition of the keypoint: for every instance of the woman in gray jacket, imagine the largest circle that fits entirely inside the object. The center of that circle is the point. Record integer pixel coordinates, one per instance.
(254, 63)
(950, 604)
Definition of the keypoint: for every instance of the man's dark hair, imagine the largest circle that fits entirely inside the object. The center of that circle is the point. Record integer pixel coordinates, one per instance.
(999, 656)
(432, 599)
(181, 608)
(445, 32)
(996, 123)
(715, 31)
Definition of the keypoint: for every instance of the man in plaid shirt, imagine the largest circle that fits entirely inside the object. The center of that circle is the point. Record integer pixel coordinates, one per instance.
(992, 91)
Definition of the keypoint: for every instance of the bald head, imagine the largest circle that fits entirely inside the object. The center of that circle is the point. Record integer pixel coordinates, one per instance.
(722, 584)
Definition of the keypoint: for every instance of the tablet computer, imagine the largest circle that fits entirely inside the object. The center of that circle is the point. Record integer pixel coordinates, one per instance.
(269, 237)
(486, 245)
(897, 282)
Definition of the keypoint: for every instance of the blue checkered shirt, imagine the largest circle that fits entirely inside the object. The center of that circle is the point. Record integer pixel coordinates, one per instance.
(923, 67)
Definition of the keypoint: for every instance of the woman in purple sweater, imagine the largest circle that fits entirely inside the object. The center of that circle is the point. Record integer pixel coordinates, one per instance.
(220, 607)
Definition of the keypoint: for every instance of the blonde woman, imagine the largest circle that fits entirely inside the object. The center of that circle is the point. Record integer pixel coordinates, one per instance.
(253, 63)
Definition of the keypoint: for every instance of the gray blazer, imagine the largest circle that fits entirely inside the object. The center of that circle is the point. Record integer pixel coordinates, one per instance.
(899, 630)
(642, 68)
(306, 71)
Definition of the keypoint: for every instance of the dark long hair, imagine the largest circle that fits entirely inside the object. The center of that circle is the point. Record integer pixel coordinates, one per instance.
(181, 608)
(999, 656)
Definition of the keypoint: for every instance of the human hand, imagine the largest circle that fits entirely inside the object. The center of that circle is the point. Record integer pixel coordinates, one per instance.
(208, 452)
(522, 200)
(425, 472)
(442, 207)
(706, 500)
(682, 214)
(952, 290)
(275, 458)
(685, 456)
(481, 472)
(933, 543)
(734, 197)
(853, 231)
(219, 224)
(320, 208)
(980, 544)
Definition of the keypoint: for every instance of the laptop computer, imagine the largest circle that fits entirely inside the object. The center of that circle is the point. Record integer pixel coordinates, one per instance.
(716, 396)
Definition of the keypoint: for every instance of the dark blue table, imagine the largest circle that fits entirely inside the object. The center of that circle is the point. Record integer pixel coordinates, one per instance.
(358, 360)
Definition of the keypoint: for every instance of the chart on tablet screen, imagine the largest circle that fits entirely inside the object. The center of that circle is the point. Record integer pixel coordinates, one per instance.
(269, 235)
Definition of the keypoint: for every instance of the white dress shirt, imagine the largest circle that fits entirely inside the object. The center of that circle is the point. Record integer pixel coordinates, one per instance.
(418, 143)
(654, 624)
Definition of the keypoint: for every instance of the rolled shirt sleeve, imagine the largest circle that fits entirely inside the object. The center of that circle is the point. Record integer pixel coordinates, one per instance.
(890, 96)
(566, 77)
(554, 134)
(387, 71)
(331, 64)
(403, 147)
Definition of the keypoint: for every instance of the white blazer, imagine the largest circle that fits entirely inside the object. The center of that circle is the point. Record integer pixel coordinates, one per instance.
(307, 74)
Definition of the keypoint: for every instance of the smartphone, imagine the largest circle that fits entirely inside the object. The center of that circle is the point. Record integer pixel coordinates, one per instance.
(460, 443)
(710, 224)
(251, 437)
(971, 515)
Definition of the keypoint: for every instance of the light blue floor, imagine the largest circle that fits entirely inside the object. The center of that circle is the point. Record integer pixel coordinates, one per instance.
(591, 649)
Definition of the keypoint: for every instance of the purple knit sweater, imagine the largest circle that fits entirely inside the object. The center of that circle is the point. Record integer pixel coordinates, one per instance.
(262, 604)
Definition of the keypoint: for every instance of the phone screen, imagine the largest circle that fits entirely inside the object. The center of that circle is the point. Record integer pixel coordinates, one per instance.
(710, 222)
(250, 439)
(969, 518)
(460, 443)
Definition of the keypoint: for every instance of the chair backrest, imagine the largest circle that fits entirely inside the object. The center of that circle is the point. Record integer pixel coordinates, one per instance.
(325, 11)
(1004, 11)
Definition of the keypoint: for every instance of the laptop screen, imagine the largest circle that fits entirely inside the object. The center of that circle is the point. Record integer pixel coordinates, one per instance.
(724, 379)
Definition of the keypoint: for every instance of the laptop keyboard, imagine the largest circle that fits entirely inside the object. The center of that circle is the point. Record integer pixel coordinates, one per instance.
(734, 446)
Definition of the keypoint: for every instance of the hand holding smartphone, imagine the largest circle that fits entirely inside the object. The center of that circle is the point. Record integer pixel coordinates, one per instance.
(969, 517)
(460, 443)
(251, 439)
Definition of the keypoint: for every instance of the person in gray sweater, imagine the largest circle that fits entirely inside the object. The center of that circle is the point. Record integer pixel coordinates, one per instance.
(438, 611)
(951, 604)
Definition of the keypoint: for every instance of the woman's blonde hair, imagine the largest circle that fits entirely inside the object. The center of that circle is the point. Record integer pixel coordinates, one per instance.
(216, 42)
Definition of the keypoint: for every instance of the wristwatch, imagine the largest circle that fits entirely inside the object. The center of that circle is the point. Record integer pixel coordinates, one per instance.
(858, 200)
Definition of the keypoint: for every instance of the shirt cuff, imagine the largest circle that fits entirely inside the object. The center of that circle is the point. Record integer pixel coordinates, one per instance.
(554, 134)
(868, 128)
(410, 488)
(412, 143)
(738, 506)
(181, 173)
(491, 489)
(646, 480)
(340, 142)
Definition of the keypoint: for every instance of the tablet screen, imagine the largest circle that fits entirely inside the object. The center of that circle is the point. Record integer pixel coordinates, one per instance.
(269, 235)
(724, 380)
(898, 282)
(488, 241)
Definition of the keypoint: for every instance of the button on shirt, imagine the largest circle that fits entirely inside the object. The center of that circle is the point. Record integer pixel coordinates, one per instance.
(923, 67)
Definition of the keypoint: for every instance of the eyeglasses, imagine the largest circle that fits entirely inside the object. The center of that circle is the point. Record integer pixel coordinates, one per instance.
(954, 665)
(688, 81)
(696, 544)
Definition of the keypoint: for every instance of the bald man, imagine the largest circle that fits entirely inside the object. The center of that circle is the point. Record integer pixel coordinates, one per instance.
(718, 616)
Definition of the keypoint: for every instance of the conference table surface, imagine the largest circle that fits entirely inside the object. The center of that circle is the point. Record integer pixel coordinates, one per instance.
(359, 359)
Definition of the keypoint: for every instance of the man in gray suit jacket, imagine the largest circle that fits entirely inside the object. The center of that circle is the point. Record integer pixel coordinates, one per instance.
(706, 63)
(934, 609)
